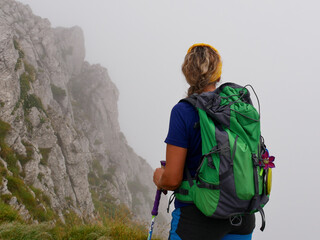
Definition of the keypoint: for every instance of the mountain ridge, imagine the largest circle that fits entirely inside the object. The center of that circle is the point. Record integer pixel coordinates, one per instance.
(62, 112)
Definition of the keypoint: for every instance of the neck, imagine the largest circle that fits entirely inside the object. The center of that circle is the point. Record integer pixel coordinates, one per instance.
(210, 88)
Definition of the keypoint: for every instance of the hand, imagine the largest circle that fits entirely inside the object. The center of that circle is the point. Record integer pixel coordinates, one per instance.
(157, 177)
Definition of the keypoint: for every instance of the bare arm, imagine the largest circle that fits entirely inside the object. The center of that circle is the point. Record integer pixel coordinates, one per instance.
(171, 176)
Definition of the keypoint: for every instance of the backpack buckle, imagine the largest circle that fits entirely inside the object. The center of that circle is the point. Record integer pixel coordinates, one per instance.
(236, 220)
(255, 160)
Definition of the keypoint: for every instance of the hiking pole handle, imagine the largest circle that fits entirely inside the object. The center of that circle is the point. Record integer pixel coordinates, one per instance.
(158, 196)
(156, 203)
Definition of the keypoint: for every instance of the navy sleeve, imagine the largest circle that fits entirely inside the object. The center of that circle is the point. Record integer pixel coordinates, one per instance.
(178, 130)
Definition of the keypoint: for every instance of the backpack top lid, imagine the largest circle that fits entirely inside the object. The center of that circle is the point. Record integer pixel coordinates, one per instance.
(230, 106)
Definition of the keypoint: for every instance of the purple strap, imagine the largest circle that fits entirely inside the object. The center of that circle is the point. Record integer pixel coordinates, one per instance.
(158, 196)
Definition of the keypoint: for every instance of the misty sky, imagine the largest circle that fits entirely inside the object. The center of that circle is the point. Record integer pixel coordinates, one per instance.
(270, 44)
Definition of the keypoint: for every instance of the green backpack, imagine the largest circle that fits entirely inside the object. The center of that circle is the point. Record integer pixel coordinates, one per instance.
(232, 177)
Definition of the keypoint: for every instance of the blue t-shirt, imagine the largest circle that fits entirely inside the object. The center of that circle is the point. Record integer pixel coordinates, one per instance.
(183, 133)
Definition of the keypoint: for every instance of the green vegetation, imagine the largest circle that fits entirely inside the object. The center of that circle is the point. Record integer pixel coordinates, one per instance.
(21, 55)
(6, 197)
(30, 70)
(57, 92)
(18, 64)
(119, 226)
(42, 120)
(7, 213)
(32, 101)
(28, 124)
(97, 167)
(22, 231)
(97, 142)
(29, 100)
(73, 230)
(40, 176)
(113, 221)
(45, 155)
(3, 173)
(4, 129)
(17, 47)
(6, 152)
(24, 85)
(24, 159)
(26, 78)
(23, 194)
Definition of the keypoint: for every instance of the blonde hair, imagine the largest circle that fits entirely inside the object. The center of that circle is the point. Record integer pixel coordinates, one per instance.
(201, 67)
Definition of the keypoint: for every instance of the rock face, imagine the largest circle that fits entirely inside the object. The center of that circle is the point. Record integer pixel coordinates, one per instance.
(63, 115)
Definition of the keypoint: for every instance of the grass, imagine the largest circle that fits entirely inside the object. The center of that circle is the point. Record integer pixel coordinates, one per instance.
(12, 227)
(101, 231)
(22, 231)
(7, 213)
(6, 152)
(23, 194)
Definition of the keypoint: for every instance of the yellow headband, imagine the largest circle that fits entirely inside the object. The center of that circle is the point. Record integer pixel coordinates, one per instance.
(217, 74)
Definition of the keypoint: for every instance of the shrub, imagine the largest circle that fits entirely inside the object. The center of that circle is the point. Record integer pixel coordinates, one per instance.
(32, 101)
(29, 100)
(97, 167)
(24, 85)
(4, 129)
(57, 92)
(9, 156)
(40, 176)
(17, 47)
(45, 155)
(18, 64)
(24, 159)
(30, 70)
(93, 179)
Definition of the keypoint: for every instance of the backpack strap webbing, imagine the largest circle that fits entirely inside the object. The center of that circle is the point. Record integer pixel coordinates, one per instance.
(255, 199)
(192, 100)
(263, 217)
(203, 184)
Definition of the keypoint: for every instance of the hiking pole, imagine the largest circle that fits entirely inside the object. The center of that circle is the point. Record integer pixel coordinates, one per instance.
(154, 211)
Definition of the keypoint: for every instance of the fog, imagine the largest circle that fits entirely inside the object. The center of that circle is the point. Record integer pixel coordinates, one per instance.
(272, 45)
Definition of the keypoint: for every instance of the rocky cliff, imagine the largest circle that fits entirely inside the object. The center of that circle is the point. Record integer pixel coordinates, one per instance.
(59, 128)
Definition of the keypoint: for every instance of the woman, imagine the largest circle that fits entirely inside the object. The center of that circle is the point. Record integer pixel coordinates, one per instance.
(202, 69)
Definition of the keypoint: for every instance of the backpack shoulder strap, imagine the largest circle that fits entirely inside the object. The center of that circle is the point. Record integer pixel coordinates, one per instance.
(192, 100)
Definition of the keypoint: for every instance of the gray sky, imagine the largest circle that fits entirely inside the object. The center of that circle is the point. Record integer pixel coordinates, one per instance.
(271, 44)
